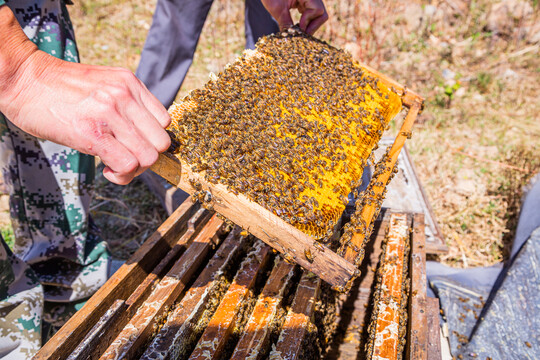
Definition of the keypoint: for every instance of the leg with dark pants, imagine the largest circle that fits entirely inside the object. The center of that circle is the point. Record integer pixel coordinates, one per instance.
(258, 22)
(173, 37)
(170, 45)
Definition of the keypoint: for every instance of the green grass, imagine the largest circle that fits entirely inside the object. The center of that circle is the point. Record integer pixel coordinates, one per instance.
(7, 235)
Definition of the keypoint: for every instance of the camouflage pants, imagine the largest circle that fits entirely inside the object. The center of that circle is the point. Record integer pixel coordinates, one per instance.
(57, 260)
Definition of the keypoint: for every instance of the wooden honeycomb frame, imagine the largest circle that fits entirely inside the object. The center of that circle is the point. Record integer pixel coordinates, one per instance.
(389, 318)
(295, 245)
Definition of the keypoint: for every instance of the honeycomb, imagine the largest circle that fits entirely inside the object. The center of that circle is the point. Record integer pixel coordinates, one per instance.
(290, 125)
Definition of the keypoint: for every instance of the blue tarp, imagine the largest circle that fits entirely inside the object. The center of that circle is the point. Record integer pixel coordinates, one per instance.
(494, 312)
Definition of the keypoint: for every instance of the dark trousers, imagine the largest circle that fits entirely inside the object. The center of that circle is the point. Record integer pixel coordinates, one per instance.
(173, 37)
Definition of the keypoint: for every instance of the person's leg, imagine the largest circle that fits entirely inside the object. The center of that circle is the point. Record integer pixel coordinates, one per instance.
(50, 189)
(21, 306)
(165, 60)
(170, 46)
(258, 22)
(50, 186)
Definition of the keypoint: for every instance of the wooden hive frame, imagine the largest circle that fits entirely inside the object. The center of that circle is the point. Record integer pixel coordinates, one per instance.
(389, 317)
(296, 246)
(168, 299)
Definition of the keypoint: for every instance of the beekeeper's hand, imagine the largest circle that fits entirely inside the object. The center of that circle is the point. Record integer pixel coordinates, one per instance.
(313, 13)
(102, 111)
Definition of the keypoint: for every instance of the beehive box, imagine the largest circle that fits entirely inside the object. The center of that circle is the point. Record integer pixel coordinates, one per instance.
(197, 289)
(278, 140)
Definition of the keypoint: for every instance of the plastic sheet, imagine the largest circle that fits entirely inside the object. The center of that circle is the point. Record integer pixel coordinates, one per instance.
(494, 312)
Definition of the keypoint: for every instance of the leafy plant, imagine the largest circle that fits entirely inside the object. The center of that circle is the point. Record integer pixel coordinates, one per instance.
(7, 234)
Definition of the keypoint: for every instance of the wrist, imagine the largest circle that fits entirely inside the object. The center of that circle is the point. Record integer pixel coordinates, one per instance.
(16, 51)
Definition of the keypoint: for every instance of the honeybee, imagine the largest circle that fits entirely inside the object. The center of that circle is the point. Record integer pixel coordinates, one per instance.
(318, 245)
(308, 255)
(288, 258)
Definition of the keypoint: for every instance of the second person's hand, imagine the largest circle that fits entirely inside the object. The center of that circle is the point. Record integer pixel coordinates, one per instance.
(313, 13)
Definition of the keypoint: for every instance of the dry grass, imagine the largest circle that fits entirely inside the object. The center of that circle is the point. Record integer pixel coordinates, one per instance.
(474, 125)
(126, 215)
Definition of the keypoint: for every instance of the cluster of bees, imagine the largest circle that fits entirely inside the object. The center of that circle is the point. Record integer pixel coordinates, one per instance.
(382, 298)
(357, 226)
(289, 125)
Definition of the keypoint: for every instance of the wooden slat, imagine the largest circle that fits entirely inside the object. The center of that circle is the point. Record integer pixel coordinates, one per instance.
(194, 226)
(99, 344)
(433, 330)
(178, 330)
(260, 222)
(417, 336)
(127, 343)
(350, 339)
(257, 331)
(369, 211)
(220, 327)
(120, 285)
(385, 334)
(92, 339)
(298, 321)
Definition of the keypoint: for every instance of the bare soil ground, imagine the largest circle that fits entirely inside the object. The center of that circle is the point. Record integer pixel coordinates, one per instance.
(475, 145)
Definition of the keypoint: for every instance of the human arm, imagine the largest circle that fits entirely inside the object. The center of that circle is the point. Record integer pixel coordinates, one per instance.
(313, 13)
(102, 111)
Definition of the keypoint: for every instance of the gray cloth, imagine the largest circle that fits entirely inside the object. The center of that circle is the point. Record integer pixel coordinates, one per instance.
(529, 218)
(509, 326)
(494, 312)
(173, 37)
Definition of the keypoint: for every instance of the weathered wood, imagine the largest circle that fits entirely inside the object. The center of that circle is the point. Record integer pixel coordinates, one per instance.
(434, 329)
(142, 291)
(178, 330)
(369, 211)
(257, 331)
(120, 285)
(192, 314)
(93, 338)
(260, 222)
(417, 336)
(164, 295)
(194, 226)
(385, 339)
(220, 327)
(349, 338)
(298, 321)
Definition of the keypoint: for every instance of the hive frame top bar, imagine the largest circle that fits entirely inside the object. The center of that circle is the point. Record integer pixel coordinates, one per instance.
(293, 244)
(409, 98)
(271, 229)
